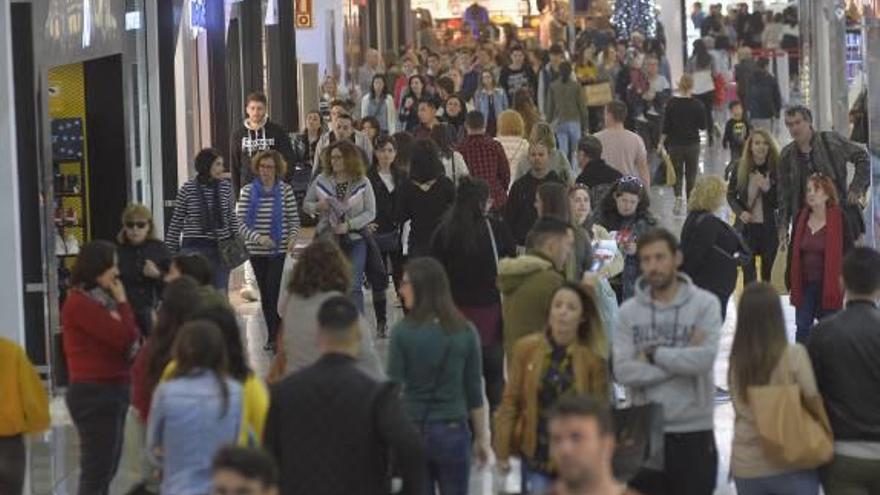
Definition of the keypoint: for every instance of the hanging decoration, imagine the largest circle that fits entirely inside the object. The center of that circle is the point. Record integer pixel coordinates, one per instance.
(634, 15)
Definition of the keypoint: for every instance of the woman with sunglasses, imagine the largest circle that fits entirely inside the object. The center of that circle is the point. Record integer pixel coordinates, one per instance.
(143, 262)
(820, 240)
(624, 213)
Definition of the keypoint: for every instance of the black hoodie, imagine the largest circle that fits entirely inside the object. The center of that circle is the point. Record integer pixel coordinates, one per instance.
(247, 142)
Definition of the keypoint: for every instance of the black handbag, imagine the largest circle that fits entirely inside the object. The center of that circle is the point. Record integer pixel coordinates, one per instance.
(638, 431)
(233, 251)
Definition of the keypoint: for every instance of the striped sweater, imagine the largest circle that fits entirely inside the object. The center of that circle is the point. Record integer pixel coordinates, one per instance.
(263, 222)
(187, 222)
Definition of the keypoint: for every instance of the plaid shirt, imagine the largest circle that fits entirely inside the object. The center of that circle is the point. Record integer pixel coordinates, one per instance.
(486, 160)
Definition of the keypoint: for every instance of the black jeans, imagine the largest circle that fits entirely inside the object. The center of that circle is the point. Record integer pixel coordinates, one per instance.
(763, 240)
(394, 261)
(691, 467)
(685, 159)
(12, 465)
(98, 411)
(268, 271)
(493, 373)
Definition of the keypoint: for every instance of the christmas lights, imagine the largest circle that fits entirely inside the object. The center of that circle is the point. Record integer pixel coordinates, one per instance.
(634, 15)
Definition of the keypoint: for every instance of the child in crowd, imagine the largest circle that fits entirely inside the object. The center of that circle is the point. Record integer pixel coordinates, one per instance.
(736, 131)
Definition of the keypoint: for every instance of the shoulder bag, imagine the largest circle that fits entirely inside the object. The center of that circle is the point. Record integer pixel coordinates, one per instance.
(233, 251)
(795, 431)
(640, 440)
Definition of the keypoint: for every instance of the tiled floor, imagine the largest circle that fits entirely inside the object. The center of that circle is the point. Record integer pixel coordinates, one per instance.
(54, 455)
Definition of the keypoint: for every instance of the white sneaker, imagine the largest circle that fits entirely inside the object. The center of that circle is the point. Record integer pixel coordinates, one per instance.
(249, 294)
(678, 209)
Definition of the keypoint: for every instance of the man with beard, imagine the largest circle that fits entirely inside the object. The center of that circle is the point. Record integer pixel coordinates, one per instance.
(581, 447)
(664, 350)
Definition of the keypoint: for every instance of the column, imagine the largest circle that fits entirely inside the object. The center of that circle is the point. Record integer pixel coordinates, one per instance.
(12, 302)
(872, 67)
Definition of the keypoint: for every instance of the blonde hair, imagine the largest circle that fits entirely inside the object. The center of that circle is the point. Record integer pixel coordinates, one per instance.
(708, 194)
(543, 134)
(132, 212)
(511, 123)
(686, 83)
(747, 162)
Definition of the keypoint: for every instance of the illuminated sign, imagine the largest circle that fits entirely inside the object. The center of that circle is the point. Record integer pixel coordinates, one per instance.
(198, 17)
(304, 15)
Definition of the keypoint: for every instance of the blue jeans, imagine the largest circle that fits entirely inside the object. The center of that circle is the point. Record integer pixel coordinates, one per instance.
(448, 450)
(208, 249)
(534, 482)
(809, 311)
(794, 483)
(567, 135)
(357, 255)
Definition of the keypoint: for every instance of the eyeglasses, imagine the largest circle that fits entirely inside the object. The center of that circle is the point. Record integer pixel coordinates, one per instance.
(138, 224)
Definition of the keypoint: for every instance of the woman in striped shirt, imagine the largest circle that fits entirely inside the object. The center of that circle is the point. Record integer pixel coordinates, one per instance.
(203, 214)
(268, 222)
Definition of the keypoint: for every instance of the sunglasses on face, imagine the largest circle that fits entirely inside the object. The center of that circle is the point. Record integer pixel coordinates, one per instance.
(139, 224)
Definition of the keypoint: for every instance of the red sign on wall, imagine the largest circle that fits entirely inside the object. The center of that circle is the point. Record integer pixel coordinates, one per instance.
(304, 14)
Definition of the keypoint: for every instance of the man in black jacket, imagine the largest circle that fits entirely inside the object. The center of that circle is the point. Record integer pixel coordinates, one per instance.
(331, 427)
(256, 134)
(844, 349)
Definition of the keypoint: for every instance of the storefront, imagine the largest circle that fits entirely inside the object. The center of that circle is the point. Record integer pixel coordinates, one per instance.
(112, 101)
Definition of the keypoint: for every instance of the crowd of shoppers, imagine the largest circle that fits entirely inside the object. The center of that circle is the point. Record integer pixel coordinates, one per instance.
(537, 290)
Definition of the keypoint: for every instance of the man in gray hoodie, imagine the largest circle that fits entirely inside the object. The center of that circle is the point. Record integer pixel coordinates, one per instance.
(664, 351)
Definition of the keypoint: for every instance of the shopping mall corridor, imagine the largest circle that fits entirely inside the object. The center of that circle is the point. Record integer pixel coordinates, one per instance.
(54, 457)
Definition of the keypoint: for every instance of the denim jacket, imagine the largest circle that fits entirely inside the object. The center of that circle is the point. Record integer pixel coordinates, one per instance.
(187, 426)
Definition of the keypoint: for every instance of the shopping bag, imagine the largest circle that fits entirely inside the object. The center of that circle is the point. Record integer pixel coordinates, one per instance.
(795, 432)
(599, 94)
(668, 167)
(777, 274)
(640, 445)
(286, 273)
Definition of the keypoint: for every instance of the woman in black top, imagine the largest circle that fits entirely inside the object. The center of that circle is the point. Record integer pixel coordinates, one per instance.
(751, 194)
(682, 123)
(454, 112)
(469, 244)
(409, 104)
(701, 66)
(710, 246)
(386, 178)
(143, 262)
(304, 145)
(425, 197)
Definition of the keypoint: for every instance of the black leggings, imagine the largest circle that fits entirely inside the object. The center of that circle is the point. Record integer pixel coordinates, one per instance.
(394, 261)
(708, 100)
(268, 271)
(685, 159)
(763, 240)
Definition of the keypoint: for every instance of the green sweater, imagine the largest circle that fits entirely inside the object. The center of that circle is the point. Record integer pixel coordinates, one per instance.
(414, 359)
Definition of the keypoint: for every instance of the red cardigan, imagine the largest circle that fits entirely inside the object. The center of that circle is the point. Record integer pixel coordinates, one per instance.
(96, 344)
(832, 292)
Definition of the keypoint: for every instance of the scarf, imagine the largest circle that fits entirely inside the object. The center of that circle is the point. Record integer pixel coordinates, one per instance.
(257, 192)
(102, 297)
(832, 292)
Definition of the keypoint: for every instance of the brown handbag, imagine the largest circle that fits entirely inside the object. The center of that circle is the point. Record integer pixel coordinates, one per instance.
(598, 94)
(795, 431)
